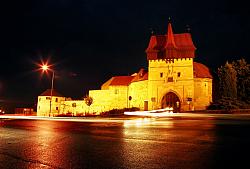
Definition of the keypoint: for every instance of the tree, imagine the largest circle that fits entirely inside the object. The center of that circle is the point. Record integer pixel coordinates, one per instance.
(243, 79)
(88, 100)
(227, 81)
(234, 86)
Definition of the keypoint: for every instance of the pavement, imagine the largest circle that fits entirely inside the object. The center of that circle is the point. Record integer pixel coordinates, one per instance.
(182, 140)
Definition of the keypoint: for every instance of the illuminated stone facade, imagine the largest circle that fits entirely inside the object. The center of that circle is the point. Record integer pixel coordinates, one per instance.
(45, 108)
(173, 80)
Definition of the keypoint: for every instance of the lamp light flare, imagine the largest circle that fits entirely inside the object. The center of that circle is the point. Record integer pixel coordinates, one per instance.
(45, 67)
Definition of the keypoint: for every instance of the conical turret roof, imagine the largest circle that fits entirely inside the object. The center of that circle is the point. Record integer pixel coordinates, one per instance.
(170, 37)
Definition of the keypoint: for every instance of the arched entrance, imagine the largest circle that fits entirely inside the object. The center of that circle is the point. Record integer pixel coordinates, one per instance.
(171, 100)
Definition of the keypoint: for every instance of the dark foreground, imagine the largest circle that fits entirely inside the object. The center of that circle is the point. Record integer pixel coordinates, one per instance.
(174, 142)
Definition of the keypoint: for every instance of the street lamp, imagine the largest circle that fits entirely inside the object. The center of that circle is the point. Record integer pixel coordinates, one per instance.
(45, 67)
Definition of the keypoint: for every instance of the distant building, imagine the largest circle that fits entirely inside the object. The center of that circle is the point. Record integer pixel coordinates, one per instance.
(173, 80)
(59, 105)
(25, 111)
(47, 108)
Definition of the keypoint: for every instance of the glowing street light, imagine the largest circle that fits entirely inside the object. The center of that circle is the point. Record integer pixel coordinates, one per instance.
(45, 67)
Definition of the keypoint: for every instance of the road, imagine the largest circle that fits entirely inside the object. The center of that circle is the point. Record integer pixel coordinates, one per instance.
(191, 141)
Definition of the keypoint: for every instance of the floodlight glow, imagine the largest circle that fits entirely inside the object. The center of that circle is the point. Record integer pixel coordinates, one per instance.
(45, 67)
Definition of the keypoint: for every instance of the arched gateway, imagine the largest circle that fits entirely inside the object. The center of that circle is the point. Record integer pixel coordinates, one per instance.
(171, 100)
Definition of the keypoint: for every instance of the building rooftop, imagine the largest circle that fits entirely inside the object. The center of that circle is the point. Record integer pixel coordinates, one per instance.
(121, 80)
(48, 93)
(141, 75)
(170, 46)
(201, 71)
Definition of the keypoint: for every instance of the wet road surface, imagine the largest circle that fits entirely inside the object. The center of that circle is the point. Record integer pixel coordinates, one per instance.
(170, 142)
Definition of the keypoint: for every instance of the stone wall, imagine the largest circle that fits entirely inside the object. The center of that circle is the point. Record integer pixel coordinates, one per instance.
(116, 97)
(139, 93)
(203, 93)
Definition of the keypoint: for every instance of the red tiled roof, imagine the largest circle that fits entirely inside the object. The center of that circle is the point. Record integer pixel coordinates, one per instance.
(121, 80)
(125, 80)
(170, 46)
(105, 85)
(48, 93)
(201, 71)
(141, 75)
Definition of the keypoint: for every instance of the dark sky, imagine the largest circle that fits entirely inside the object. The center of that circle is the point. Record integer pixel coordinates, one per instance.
(89, 41)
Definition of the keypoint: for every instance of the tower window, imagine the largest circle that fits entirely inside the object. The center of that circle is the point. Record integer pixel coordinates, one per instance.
(179, 74)
(170, 79)
(161, 74)
(116, 91)
(56, 99)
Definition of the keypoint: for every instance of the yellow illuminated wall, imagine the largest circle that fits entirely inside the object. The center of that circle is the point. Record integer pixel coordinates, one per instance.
(139, 94)
(115, 97)
(202, 93)
(170, 76)
(43, 105)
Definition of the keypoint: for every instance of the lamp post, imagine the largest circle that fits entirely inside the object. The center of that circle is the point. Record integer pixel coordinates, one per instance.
(46, 68)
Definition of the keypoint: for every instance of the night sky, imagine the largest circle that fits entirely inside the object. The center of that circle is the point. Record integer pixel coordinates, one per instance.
(89, 41)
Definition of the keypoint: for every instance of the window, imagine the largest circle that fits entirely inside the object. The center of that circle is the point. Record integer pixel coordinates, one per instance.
(56, 108)
(161, 74)
(47, 98)
(39, 99)
(116, 91)
(153, 99)
(170, 79)
(56, 99)
(206, 88)
(179, 74)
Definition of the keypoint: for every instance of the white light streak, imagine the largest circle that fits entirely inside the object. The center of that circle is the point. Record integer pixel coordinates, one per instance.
(152, 113)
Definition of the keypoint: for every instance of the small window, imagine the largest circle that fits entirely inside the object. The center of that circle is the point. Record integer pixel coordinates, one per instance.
(116, 91)
(170, 79)
(56, 108)
(56, 99)
(161, 74)
(39, 99)
(153, 99)
(179, 74)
